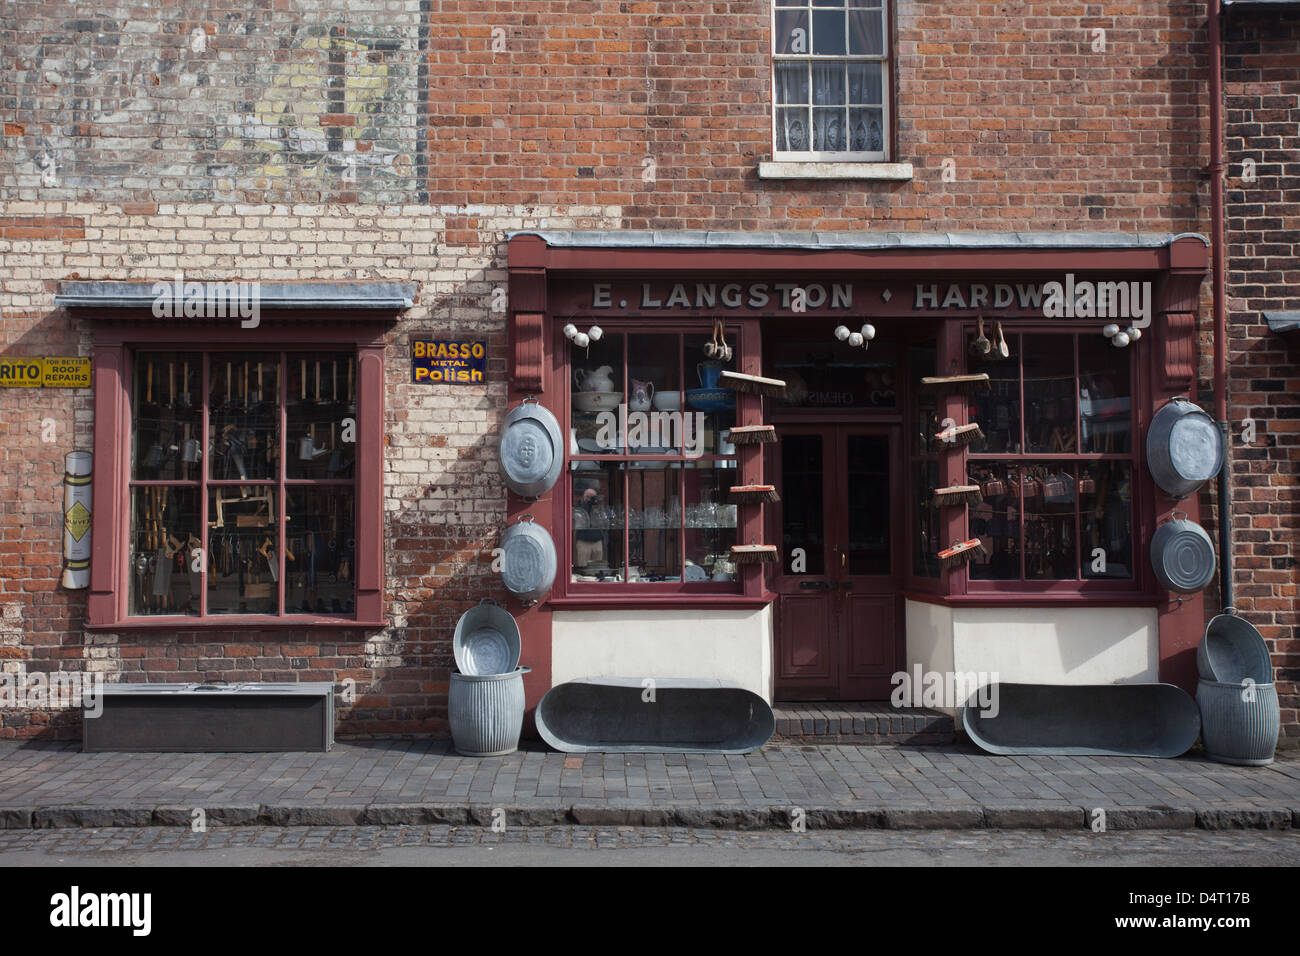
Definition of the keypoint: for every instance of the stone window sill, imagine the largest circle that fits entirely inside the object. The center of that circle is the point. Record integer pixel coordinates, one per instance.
(889, 172)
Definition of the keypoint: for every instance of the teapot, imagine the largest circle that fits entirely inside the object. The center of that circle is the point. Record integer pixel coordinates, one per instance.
(639, 398)
(601, 380)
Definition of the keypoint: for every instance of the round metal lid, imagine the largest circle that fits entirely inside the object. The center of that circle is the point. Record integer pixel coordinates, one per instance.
(1182, 556)
(528, 560)
(531, 449)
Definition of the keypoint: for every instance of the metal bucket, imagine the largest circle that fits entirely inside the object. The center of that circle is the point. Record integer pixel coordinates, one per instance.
(531, 449)
(528, 560)
(1182, 556)
(486, 640)
(1231, 651)
(1184, 448)
(1239, 722)
(486, 712)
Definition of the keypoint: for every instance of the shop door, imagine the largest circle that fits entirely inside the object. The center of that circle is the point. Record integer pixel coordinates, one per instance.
(837, 635)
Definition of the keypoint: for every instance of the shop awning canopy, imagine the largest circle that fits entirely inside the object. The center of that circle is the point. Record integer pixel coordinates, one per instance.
(709, 239)
(385, 296)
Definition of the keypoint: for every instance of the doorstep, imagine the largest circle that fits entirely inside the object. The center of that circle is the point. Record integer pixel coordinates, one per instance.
(869, 723)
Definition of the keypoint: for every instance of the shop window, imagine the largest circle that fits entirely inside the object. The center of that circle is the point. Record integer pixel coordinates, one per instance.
(1056, 467)
(650, 464)
(831, 80)
(923, 452)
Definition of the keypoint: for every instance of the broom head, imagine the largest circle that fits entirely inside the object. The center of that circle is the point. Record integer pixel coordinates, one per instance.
(960, 434)
(754, 494)
(753, 553)
(751, 434)
(958, 495)
(961, 384)
(961, 552)
(754, 384)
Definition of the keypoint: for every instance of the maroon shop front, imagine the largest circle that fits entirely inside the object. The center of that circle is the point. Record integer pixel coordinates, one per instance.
(624, 337)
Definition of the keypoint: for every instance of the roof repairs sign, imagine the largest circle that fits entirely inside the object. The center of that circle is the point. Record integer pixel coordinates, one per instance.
(447, 362)
(21, 372)
(66, 373)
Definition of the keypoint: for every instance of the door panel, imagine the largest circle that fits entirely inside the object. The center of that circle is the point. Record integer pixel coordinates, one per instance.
(837, 609)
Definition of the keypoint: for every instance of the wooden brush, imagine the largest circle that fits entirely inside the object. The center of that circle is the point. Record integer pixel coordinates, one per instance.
(754, 494)
(958, 495)
(753, 553)
(751, 434)
(960, 435)
(962, 384)
(960, 553)
(754, 384)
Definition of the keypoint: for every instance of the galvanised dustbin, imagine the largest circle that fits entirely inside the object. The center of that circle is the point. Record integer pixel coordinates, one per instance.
(1239, 722)
(486, 712)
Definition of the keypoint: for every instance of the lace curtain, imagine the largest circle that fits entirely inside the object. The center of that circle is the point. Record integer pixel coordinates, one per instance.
(839, 121)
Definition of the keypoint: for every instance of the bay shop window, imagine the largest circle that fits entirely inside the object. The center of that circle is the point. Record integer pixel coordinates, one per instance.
(650, 463)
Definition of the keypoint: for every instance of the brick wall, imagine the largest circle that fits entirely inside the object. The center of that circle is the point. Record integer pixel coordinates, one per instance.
(1262, 93)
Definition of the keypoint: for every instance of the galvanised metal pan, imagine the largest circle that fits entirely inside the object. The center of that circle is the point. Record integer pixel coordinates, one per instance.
(528, 561)
(1184, 448)
(1182, 556)
(531, 449)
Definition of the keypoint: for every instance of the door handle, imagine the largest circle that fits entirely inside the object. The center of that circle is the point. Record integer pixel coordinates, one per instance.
(816, 585)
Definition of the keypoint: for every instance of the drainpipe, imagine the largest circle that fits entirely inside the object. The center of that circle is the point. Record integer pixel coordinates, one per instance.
(1218, 239)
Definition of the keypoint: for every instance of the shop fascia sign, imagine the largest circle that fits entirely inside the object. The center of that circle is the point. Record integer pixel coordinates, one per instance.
(1068, 298)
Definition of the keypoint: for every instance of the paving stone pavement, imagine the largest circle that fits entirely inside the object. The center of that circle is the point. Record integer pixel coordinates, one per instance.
(835, 785)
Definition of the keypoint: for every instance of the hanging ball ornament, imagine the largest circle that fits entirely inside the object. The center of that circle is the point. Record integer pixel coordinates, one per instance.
(582, 340)
(570, 331)
(1120, 340)
(868, 332)
(856, 339)
(842, 333)
(595, 332)
(1134, 333)
(1110, 331)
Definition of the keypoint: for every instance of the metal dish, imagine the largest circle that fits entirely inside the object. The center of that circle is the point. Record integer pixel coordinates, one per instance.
(528, 560)
(486, 640)
(1233, 651)
(1184, 448)
(1182, 556)
(531, 449)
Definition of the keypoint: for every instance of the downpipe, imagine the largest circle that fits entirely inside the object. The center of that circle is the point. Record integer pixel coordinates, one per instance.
(1217, 227)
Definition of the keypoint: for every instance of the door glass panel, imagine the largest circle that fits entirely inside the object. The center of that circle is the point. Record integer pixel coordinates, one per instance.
(823, 373)
(802, 501)
(868, 504)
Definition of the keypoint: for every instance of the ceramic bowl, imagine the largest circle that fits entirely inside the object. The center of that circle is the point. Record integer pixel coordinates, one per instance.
(597, 401)
(668, 401)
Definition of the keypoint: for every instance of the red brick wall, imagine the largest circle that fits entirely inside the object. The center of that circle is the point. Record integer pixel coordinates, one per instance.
(1262, 93)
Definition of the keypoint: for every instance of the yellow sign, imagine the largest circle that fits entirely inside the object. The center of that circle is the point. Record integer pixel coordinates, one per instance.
(66, 373)
(77, 521)
(21, 372)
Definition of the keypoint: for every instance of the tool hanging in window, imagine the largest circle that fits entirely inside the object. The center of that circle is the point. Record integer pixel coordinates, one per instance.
(718, 348)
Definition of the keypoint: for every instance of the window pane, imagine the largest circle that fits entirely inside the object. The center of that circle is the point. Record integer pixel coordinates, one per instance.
(320, 535)
(598, 521)
(867, 129)
(710, 517)
(828, 32)
(321, 415)
(1105, 392)
(1050, 551)
(925, 561)
(596, 380)
(792, 130)
(166, 418)
(801, 499)
(996, 522)
(829, 134)
(710, 408)
(869, 505)
(1049, 393)
(791, 32)
(1105, 500)
(865, 83)
(242, 541)
(654, 515)
(164, 531)
(244, 416)
(997, 411)
(866, 32)
(792, 83)
(654, 397)
(828, 84)
(823, 373)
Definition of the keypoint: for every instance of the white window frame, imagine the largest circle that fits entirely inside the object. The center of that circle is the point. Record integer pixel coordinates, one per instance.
(886, 94)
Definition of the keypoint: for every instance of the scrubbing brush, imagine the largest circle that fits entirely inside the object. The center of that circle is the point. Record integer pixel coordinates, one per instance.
(754, 494)
(958, 495)
(960, 434)
(753, 553)
(960, 553)
(751, 434)
(754, 384)
(959, 384)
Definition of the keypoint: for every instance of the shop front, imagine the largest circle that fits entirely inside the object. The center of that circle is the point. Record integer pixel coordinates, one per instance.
(626, 337)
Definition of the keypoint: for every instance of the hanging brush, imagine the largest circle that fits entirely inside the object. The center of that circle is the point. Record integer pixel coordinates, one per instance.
(754, 494)
(957, 495)
(754, 384)
(751, 434)
(753, 553)
(961, 384)
(960, 434)
(960, 553)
